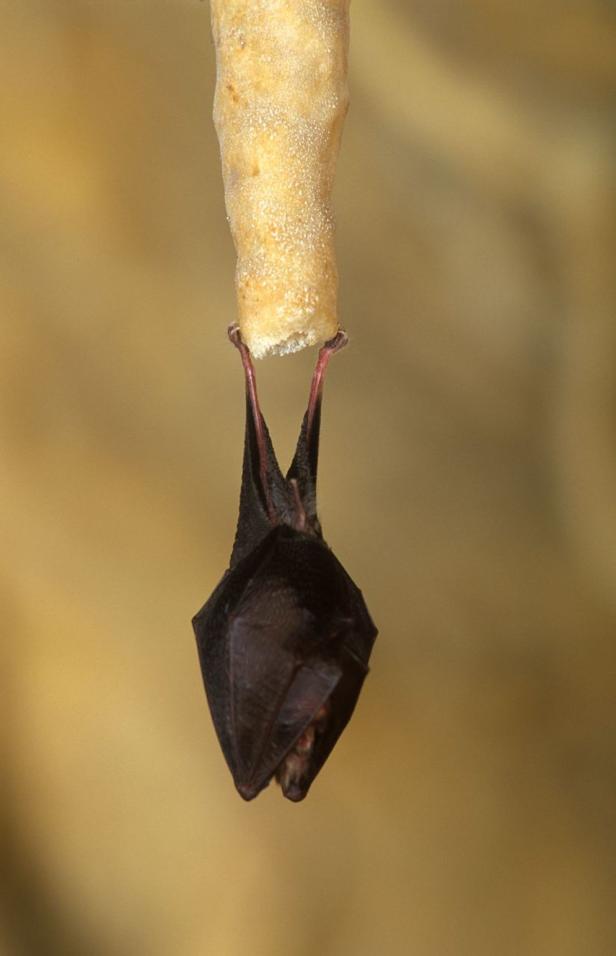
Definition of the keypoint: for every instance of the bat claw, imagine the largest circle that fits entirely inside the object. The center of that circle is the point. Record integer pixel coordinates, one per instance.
(338, 342)
(235, 336)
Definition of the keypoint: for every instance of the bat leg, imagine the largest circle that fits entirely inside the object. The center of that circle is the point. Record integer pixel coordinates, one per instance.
(303, 470)
(316, 386)
(235, 338)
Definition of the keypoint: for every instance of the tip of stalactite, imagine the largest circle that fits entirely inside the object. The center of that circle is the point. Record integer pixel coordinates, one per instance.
(264, 347)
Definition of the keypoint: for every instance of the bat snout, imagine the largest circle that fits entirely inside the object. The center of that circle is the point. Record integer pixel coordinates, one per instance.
(295, 792)
(292, 776)
(296, 772)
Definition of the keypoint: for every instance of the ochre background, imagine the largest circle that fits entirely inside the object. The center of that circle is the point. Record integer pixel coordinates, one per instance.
(468, 482)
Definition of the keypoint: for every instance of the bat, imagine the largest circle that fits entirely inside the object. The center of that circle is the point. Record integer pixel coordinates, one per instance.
(285, 638)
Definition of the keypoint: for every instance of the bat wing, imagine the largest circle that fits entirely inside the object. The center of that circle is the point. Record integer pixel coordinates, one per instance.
(261, 694)
(342, 703)
(303, 468)
(273, 698)
(351, 646)
(261, 688)
(285, 632)
(265, 499)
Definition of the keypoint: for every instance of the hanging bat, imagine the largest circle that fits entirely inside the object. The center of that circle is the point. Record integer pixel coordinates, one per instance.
(285, 638)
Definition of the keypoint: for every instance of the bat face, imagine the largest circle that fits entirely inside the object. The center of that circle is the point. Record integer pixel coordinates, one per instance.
(285, 638)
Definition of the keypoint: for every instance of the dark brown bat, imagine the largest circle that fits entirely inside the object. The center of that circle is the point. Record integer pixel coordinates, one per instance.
(285, 638)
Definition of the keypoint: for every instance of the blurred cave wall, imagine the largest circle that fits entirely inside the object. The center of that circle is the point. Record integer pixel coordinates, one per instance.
(468, 477)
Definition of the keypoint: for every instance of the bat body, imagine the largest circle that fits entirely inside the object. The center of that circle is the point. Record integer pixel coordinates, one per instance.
(285, 638)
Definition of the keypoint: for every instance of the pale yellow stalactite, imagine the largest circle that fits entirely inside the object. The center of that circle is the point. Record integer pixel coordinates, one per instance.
(281, 98)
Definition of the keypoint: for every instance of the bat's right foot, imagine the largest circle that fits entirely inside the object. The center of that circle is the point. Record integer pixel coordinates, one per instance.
(338, 342)
(235, 336)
